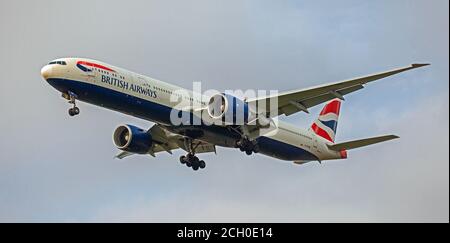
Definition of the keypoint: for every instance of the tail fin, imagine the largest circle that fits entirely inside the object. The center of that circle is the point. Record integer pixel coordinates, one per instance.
(326, 125)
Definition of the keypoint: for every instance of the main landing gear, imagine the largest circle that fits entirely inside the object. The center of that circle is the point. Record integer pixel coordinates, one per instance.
(72, 98)
(190, 160)
(247, 146)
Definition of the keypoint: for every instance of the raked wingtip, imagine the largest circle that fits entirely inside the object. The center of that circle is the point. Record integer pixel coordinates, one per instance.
(418, 65)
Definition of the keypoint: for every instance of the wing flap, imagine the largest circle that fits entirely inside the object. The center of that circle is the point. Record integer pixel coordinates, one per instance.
(165, 141)
(200, 146)
(123, 154)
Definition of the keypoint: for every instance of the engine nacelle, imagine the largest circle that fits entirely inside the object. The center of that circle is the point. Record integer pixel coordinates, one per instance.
(228, 109)
(132, 139)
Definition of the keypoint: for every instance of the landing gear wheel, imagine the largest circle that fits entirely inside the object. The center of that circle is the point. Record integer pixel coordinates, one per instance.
(247, 146)
(195, 167)
(183, 160)
(71, 113)
(195, 163)
(74, 111)
(202, 164)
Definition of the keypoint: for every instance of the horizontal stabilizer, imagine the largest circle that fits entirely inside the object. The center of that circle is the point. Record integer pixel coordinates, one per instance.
(360, 143)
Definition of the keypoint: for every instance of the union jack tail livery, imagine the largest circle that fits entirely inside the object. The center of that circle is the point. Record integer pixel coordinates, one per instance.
(326, 125)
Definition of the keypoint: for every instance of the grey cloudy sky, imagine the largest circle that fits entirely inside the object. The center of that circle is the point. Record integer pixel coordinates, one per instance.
(56, 168)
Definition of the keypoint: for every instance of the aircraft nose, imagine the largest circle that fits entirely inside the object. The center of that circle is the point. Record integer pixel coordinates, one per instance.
(46, 71)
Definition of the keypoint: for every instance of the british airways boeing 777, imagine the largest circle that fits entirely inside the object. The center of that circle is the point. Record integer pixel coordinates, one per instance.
(222, 119)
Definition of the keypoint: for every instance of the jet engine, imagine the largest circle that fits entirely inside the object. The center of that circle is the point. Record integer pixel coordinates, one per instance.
(228, 109)
(132, 139)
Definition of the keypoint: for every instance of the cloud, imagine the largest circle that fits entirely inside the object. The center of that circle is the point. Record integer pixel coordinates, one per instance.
(54, 168)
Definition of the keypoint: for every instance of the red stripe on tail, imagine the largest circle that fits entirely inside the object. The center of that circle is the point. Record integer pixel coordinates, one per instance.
(332, 107)
(319, 131)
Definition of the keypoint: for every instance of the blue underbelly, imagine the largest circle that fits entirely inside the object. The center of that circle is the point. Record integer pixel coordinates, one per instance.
(283, 151)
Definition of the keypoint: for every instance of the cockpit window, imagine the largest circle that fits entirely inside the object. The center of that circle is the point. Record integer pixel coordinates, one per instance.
(58, 62)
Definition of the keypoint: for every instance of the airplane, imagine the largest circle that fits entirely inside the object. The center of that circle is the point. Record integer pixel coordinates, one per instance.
(114, 88)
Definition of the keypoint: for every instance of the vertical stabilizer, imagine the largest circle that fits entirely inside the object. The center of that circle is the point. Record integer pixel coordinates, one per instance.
(326, 125)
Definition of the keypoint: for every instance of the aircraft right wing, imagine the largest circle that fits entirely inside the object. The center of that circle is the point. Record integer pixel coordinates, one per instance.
(300, 100)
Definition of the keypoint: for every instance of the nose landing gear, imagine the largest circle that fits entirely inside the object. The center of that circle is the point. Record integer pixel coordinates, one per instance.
(72, 98)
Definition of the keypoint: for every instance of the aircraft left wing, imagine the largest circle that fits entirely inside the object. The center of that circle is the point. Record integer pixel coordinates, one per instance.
(301, 100)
